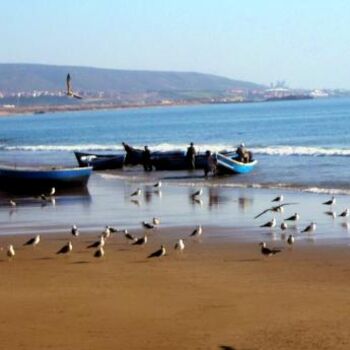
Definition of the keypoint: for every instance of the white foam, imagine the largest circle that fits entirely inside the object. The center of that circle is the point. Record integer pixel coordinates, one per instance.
(301, 151)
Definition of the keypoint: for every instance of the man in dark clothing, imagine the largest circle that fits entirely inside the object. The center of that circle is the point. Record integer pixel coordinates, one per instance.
(191, 157)
(146, 159)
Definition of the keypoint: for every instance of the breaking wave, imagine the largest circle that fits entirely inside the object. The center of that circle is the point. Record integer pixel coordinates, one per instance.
(163, 147)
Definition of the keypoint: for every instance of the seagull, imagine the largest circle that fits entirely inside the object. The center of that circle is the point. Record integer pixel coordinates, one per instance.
(278, 198)
(268, 251)
(136, 193)
(33, 241)
(271, 223)
(113, 229)
(284, 226)
(179, 245)
(276, 209)
(70, 92)
(331, 213)
(97, 244)
(66, 248)
(310, 228)
(99, 253)
(106, 233)
(290, 240)
(330, 202)
(158, 253)
(147, 225)
(10, 251)
(140, 241)
(74, 231)
(345, 213)
(197, 231)
(158, 184)
(197, 193)
(13, 203)
(156, 221)
(52, 192)
(294, 217)
(129, 236)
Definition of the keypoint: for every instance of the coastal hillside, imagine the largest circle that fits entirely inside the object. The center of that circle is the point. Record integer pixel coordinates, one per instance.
(29, 77)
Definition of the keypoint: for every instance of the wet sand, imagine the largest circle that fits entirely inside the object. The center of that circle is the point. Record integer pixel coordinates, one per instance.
(219, 292)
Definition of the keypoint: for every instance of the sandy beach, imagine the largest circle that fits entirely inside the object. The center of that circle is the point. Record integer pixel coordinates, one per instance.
(217, 294)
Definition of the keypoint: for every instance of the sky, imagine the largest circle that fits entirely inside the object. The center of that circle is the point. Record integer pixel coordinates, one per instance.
(304, 42)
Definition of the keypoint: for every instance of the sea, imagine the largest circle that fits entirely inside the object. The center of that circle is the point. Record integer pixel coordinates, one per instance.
(301, 147)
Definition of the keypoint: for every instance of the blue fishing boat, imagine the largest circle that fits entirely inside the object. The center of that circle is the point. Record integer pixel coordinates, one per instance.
(45, 178)
(229, 164)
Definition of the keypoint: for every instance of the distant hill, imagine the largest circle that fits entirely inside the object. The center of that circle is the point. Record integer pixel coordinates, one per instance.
(28, 77)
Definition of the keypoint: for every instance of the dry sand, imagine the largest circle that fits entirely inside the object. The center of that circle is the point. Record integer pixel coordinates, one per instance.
(217, 293)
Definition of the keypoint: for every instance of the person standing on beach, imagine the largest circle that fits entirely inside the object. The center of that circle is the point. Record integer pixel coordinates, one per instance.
(191, 157)
(210, 166)
(146, 159)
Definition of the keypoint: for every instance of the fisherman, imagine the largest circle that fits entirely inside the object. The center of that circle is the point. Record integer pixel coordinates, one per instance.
(243, 154)
(146, 159)
(210, 166)
(191, 157)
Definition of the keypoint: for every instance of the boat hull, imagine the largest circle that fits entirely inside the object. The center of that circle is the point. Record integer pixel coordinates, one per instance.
(24, 178)
(229, 165)
(100, 161)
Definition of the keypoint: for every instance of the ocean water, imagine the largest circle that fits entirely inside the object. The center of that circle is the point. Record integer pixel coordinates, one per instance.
(303, 145)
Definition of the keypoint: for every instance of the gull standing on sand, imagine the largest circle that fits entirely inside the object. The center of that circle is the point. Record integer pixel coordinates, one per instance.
(158, 184)
(13, 203)
(345, 213)
(99, 253)
(33, 241)
(197, 193)
(290, 240)
(156, 221)
(268, 251)
(197, 231)
(330, 202)
(271, 223)
(129, 236)
(147, 225)
(140, 241)
(106, 233)
(97, 244)
(66, 248)
(10, 251)
(158, 253)
(179, 245)
(74, 231)
(294, 217)
(310, 228)
(52, 192)
(284, 226)
(331, 213)
(278, 198)
(136, 193)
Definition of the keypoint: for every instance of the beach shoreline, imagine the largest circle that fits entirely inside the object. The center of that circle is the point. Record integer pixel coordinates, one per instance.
(215, 293)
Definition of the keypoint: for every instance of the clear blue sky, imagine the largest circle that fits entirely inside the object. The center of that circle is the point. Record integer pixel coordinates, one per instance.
(305, 42)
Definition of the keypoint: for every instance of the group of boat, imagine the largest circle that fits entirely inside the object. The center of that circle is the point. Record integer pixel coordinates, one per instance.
(18, 177)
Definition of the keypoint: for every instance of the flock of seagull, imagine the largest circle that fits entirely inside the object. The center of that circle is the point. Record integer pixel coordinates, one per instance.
(109, 230)
(279, 208)
(99, 244)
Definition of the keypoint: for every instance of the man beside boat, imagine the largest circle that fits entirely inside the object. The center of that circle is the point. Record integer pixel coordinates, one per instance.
(191, 157)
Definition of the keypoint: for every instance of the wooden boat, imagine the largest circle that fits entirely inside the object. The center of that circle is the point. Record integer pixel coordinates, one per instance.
(43, 178)
(175, 161)
(229, 164)
(100, 161)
